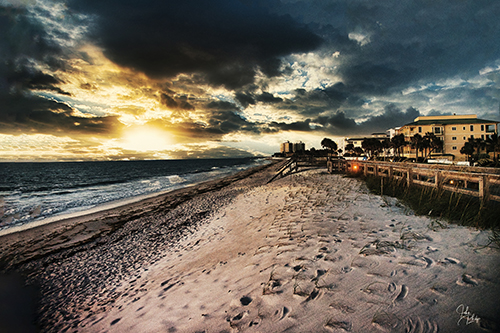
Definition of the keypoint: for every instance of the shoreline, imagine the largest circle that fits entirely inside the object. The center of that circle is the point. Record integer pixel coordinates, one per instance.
(105, 220)
(104, 207)
(309, 252)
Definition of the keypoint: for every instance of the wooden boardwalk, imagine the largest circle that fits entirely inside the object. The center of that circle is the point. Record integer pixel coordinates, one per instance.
(293, 164)
(483, 183)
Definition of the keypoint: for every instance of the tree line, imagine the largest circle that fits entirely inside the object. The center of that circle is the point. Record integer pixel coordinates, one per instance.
(476, 149)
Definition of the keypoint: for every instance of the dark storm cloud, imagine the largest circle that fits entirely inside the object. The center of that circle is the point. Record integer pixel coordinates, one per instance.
(180, 103)
(226, 41)
(224, 122)
(392, 117)
(221, 105)
(339, 124)
(23, 41)
(35, 115)
(268, 98)
(215, 124)
(307, 103)
(405, 41)
(32, 79)
(245, 98)
(300, 126)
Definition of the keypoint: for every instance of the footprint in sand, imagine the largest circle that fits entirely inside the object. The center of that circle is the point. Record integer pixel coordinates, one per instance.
(339, 325)
(402, 294)
(115, 321)
(342, 307)
(431, 249)
(319, 274)
(467, 280)
(282, 313)
(313, 295)
(245, 300)
(417, 324)
(449, 260)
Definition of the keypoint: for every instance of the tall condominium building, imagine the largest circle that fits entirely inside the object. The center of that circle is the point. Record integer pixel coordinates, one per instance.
(288, 147)
(453, 130)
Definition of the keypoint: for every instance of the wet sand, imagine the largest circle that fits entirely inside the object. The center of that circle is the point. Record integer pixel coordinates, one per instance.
(311, 252)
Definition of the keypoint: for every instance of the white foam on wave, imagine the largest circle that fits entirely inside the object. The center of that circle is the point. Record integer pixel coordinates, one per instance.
(54, 205)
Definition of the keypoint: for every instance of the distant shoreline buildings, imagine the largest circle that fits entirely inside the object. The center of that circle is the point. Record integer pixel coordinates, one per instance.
(454, 131)
(290, 148)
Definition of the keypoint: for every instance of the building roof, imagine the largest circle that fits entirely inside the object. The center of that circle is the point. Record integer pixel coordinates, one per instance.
(459, 121)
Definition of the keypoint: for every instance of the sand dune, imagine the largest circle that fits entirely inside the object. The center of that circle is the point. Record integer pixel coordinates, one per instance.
(311, 252)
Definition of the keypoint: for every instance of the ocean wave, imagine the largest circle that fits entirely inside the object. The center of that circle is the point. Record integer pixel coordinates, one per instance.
(22, 206)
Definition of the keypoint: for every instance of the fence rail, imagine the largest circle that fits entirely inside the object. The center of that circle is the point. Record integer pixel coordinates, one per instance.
(293, 164)
(483, 183)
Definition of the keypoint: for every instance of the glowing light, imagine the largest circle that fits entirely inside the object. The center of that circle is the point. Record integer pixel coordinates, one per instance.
(355, 167)
(145, 139)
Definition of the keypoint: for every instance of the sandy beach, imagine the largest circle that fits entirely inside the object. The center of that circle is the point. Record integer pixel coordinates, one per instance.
(310, 252)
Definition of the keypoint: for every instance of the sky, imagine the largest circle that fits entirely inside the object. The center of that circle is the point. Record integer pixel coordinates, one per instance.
(123, 80)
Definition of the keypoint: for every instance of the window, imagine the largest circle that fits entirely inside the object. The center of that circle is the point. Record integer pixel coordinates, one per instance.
(471, 127)
(411, 129)
(464, 128)
(490, 128)
(464, 137)
(482, 128)
(419, 129)
(437, 130)
(453, 128)
(453, 137)
(454, 147)
(482, 136)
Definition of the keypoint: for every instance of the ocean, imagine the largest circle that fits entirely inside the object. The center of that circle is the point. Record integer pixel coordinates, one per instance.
(30, 192)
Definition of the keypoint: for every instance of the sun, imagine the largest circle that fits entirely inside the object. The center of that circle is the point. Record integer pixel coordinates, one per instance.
(145, 138)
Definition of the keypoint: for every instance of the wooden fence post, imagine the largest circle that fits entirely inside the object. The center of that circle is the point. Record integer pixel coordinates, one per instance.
(483, 188)
(437, 179)
(409, 177)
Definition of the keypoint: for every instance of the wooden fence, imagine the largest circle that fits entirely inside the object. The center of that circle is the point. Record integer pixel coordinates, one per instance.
(293, 164)
(479, 182)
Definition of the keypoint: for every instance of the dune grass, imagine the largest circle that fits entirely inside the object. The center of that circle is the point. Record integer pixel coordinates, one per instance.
(453, 207)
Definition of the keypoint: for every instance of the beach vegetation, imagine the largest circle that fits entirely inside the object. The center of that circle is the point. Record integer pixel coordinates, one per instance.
(445, 205)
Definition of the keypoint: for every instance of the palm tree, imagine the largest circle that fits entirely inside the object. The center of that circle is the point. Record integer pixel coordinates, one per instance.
(329, 144)
(398, 141)
(493, 145)
(349, 148)
(385, 145)
(476, 144)
(372, 146)
(432, 142)
(467, 149)
(416, 143)
(358, 151)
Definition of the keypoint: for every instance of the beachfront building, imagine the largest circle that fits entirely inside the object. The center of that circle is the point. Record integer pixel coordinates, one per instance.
(290, 148)
(358, 141)
(286, 147)
(453, 130)
(299, 146)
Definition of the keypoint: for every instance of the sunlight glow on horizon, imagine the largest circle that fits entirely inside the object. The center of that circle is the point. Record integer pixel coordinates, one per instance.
(144, 139)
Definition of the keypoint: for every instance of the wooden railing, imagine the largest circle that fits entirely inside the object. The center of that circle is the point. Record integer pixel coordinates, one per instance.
(294, 163)
(479, 182)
